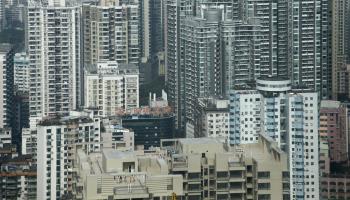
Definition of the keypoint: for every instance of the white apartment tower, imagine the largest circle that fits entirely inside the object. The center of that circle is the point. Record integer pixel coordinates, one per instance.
(111, 87)
(21, 72)
(289, 116)
(53, 41)
(57, 142)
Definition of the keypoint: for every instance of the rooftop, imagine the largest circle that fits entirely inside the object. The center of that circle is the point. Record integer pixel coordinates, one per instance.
(330, 104)
(274, 78)
(113, 154)
(5, 47)
(212, 104)
(58, 120)
(110, 67)
(201, 141)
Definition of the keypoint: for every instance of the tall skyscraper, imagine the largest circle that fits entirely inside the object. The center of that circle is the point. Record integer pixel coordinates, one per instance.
(290, 37)
(287, 115)
(6, 86)
(306, 44)
(216, 53)
(57, 142)
(54, 58)
(174, 11)
(2, 15)
(157, 26)
(111, 33)
(339, 36)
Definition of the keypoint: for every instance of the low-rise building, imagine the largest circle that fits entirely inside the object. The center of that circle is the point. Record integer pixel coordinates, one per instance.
(116, 174)
(201, 168)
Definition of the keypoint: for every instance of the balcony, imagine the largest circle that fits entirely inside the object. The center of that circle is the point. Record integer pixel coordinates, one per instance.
(126, 192)
(179, 163)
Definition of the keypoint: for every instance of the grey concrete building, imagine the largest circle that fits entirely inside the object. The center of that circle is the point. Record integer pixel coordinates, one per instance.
(111, 33)
(6, 85)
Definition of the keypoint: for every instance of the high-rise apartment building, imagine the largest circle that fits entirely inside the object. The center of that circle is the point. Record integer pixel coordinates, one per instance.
(289, 116)
(6, 85)
(216, 53)
(53, 41)
(111, 87)
(334, 130)
(339, 37)
(326, 49)
(174, 10)
(199, 60)
(305, 38)
(157, 26)
(21, 72)
(17, 177)
(285, 40)
(212, 118)
(57, 142)
(2, 15)
(111, 33)
(335, 187)
(242, 53)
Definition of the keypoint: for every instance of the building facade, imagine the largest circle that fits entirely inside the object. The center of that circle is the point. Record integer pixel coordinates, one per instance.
(111, 87)
(6, 85)
(115, 136)
(335, 187)
(17, 177)
(212, 118)
(253, 171)
(339, 36)
(57, 141)
(111, 33)
(150, 125)
(289, 116)
(53, 42)
(334, 129)
(21, 72)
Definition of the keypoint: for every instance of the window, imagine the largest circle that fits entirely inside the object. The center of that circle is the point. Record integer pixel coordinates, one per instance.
(263, 175)
(264, 186)
(264, 197)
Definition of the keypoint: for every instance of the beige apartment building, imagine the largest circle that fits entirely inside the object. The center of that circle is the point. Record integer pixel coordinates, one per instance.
(201, 168)
(111, 87)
